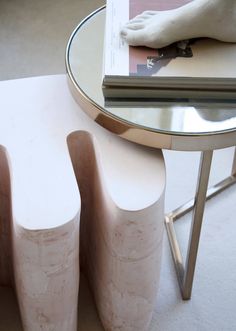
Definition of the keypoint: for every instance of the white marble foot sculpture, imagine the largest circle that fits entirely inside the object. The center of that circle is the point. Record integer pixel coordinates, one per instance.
(54, 148)
(198, 18)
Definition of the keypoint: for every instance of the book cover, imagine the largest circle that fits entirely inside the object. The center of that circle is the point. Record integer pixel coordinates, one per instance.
(199, 63)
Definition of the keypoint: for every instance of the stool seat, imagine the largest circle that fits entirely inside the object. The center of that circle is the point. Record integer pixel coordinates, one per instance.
(73, 191)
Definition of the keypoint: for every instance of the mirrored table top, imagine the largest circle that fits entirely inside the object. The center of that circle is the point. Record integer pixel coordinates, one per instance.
(178, 126)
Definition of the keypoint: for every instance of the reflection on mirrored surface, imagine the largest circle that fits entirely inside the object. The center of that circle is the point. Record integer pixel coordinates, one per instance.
(85, 61)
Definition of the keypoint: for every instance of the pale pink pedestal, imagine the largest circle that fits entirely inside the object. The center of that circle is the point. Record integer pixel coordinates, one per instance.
(43, 136)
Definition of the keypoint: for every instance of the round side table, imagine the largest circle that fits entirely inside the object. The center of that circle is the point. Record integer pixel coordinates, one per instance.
(175, 126)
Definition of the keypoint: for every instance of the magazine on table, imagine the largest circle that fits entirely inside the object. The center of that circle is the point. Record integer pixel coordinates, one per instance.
(197, 68)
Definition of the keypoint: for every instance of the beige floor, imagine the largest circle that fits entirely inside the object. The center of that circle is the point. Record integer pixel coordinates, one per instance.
(34, 34)
(33, 37)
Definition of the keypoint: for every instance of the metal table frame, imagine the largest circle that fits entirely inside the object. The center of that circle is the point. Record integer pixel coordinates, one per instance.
(185, 272)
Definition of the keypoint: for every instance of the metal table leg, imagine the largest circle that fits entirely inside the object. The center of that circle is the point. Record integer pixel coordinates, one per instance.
(185, 272)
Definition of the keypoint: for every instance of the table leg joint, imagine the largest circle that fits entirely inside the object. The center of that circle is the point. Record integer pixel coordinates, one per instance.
(185, 272)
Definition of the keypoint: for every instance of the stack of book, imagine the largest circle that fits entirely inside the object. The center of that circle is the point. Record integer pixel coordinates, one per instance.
(200, 69)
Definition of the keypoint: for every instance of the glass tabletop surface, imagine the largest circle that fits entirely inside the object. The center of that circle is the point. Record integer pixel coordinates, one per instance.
(84, 59)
